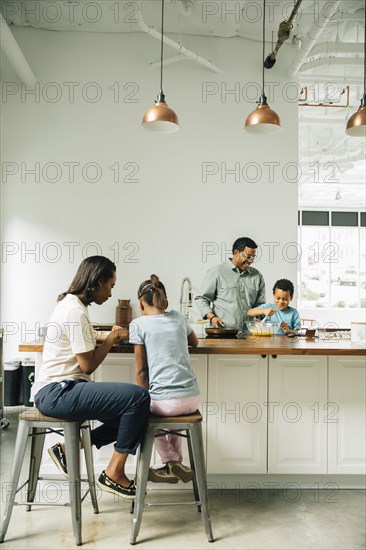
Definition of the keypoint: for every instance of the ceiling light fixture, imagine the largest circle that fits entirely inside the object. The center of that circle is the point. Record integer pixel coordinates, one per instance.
(356, 125)
(160, 118)
(263, 120)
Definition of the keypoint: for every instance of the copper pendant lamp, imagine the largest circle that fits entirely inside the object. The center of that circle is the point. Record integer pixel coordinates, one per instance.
(160, 118)
(356, 125)
(263, 120)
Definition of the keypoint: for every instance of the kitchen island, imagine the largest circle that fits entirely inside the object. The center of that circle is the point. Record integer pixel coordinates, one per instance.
(277, 410)
(269, 345)
(280, 345)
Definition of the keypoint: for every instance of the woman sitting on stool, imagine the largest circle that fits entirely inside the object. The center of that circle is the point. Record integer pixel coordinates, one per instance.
(63, 388)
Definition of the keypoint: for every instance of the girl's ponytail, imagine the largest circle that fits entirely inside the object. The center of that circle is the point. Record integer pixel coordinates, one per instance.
(154, 293)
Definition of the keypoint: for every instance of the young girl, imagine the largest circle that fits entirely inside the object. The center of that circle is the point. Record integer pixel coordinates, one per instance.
(63, 388)
(161, 341)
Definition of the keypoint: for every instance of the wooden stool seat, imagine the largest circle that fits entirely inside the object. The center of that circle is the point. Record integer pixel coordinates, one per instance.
(33, 415)
(191, 418)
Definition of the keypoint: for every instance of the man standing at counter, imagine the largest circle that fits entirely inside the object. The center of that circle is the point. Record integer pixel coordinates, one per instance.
(231, 288)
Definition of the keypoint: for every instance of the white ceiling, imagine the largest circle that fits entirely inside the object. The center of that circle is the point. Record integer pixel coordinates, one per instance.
(325, 150)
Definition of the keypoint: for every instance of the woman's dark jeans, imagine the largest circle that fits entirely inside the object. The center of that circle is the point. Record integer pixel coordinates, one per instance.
(122, 408)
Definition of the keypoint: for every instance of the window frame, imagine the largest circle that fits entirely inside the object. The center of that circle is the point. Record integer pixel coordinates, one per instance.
(328, 218)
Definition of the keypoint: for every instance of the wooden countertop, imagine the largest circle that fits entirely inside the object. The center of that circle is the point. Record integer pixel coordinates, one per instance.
(279, 345)
(253, 345)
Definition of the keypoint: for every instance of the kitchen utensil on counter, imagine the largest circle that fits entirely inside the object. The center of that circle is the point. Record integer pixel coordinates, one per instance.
(102, 327)
(223, 332)
(262, 329)
(123, 313)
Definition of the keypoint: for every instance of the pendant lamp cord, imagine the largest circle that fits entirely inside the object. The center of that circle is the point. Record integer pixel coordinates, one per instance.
(364, 57)
(264, 40)
(162, 46)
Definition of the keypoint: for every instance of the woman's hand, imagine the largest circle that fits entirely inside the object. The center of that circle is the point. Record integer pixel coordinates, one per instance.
(119, 333)
(90, 360)
(99, 336)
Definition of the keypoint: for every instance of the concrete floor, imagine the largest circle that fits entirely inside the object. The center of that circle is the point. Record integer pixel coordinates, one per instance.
(242, 521)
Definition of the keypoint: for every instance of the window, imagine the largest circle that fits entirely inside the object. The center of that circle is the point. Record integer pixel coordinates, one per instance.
(332, 268)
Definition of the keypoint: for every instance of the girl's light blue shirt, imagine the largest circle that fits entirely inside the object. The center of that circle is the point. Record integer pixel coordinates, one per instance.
(165, 340)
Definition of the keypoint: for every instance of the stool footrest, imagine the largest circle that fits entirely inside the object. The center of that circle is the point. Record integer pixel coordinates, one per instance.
(67, 504)
(192, 503)
(59, 478)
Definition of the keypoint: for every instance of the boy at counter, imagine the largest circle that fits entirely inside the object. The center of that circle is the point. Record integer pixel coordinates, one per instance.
(280, 311)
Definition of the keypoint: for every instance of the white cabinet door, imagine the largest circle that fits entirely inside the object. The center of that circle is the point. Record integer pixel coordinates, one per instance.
(297, 415)
(347, 425)
(199, 365)
(236, 414)
(116, 367)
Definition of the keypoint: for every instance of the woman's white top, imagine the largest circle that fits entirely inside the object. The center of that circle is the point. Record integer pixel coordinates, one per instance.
(69, 332)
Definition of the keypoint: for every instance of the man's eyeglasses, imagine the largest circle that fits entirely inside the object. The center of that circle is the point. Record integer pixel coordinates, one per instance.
(248, 257)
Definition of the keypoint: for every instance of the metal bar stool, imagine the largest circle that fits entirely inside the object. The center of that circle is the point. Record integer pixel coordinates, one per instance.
(192, 425)
(35, 425)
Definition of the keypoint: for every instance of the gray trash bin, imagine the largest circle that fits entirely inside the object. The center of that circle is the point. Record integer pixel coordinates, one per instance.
(12, 383)
(28, 380)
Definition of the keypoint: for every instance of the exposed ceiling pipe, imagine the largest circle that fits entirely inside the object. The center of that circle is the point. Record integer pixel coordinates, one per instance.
(344, 16)
(331, 61)
(331, 48)
(175, 45)
(327, 102)
(340, 141)
(320, 120)
(167, 61)
(15, 55)
(313, 35)
(329, 79)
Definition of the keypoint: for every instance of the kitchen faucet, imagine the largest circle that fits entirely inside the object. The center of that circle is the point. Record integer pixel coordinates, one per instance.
(185, 304)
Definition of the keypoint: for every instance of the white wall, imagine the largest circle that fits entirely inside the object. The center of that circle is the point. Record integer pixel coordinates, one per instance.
(168, 212)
